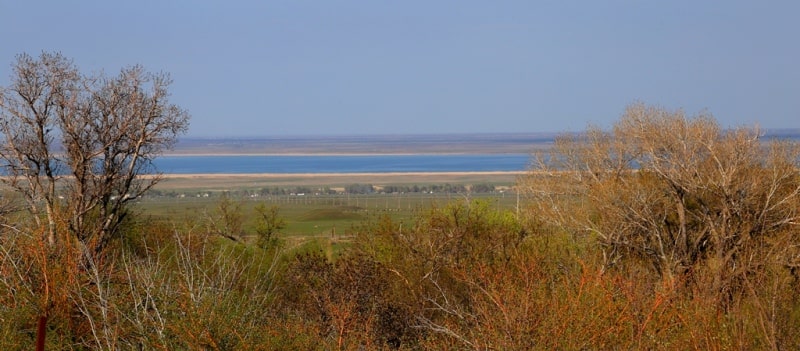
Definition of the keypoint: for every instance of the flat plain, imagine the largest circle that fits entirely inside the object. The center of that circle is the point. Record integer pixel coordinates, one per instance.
(325, 218)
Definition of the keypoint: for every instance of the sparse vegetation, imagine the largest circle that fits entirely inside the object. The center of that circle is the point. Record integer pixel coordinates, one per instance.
(666, 232)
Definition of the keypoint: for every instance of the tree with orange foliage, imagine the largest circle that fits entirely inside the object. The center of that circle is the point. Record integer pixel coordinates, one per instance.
(691, 201)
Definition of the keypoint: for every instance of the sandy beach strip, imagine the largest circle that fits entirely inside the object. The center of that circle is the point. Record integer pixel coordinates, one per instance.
(224, 180)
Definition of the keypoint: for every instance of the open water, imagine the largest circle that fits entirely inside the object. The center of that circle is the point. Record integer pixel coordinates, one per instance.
(342, 164)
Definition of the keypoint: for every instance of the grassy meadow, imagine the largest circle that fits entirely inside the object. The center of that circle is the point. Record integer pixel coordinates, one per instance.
(325, 219)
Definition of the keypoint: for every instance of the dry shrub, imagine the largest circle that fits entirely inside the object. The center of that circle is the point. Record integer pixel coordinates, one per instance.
(548, 299)
(710, 213)
(345, 302)
(677, 195)
(187, 292)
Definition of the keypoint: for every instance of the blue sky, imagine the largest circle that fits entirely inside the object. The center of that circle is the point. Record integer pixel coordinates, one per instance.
(261, 68)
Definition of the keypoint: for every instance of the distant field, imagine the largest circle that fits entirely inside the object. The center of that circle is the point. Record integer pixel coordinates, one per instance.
(328, 220)
(325, 219)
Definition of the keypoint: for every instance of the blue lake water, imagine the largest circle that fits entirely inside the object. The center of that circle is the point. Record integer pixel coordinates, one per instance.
(342, 164)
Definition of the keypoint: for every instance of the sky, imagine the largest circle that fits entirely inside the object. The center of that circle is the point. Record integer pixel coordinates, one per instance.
(294, 67)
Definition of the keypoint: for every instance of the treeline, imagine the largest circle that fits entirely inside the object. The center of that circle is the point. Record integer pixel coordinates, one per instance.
(354, 189)
(413, 189)
(480, 188)
(274, 191)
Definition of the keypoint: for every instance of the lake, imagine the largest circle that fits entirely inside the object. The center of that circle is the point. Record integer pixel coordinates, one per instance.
(250, 164)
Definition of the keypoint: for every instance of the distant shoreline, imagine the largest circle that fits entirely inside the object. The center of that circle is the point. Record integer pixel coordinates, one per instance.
(364, 145)
(332, 154)
(331, 174)
(390, 144)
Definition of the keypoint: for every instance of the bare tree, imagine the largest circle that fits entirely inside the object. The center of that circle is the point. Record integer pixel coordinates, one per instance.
(689, 199)
(76, 146)
(40, 91)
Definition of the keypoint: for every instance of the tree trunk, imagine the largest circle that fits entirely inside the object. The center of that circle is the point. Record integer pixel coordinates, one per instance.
(41, 329)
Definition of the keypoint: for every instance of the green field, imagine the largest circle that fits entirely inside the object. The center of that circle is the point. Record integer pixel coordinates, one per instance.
(327, 218)
(314, 216)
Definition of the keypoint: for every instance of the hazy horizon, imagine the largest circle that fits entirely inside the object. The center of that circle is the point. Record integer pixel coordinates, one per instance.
(351, 67)
(795, 132)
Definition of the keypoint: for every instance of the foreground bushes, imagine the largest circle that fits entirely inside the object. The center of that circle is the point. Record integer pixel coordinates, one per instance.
(178, 292)
(464, 276)
(541, 288)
